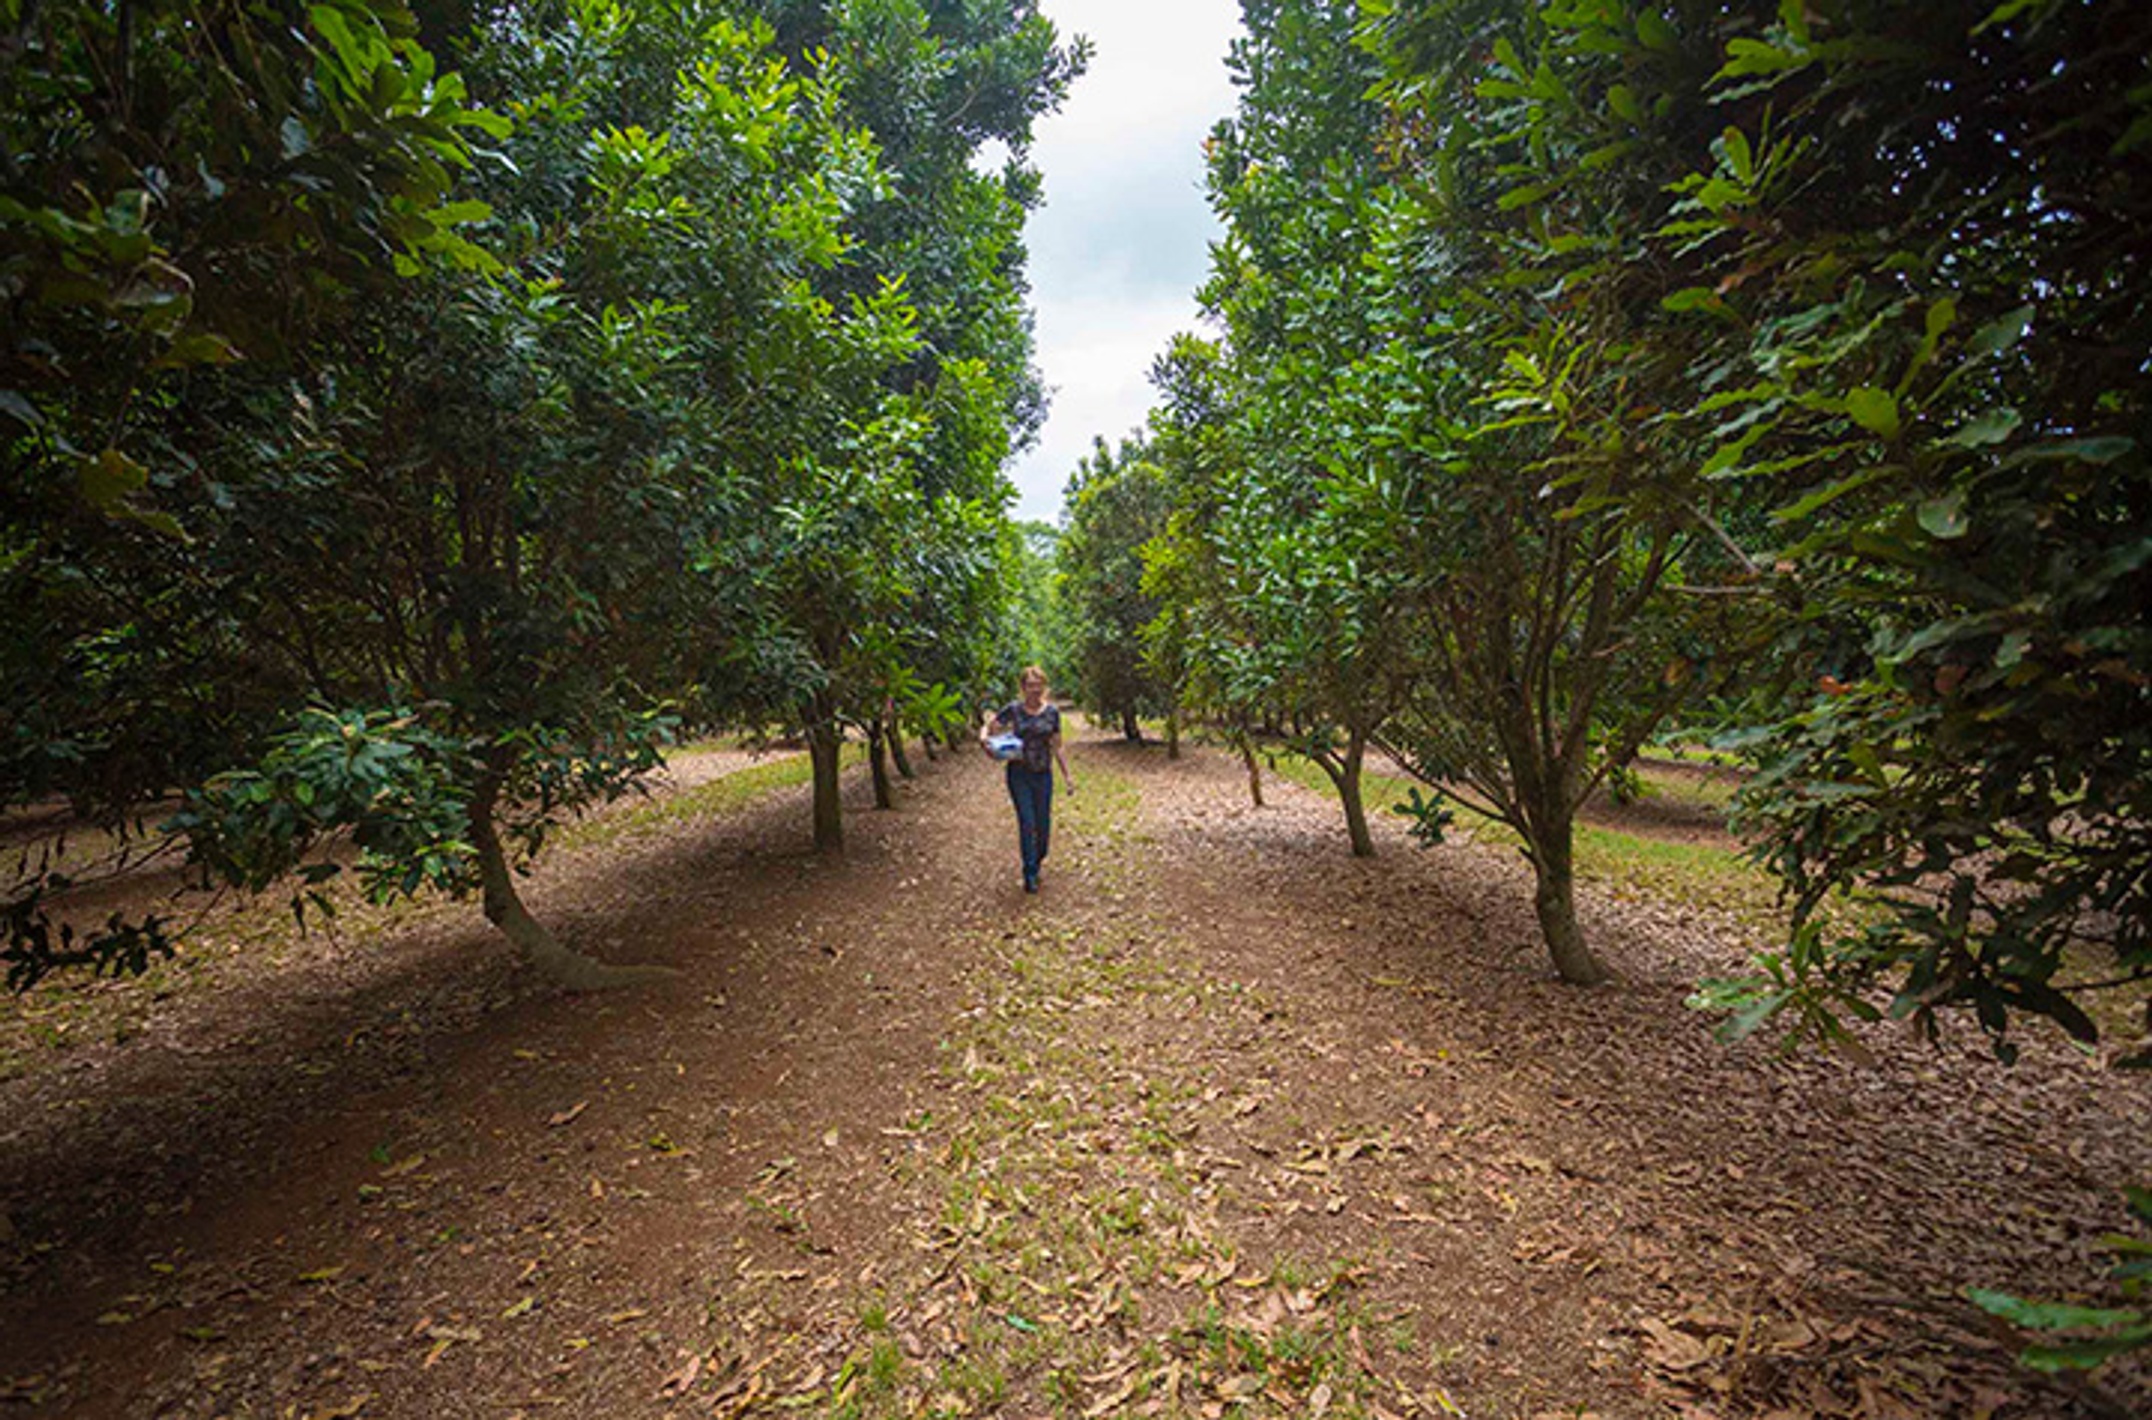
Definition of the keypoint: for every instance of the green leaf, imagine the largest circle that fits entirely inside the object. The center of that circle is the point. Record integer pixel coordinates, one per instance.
(1653, 29)
(450, 214)
(1734, 144)
(1992, 427)
(2102, 449)
(109, 477)
(1693, 298)
(357, 56)
(1944, 517)
(2004, 13)
(156, 522)
(1746, 1021)
(1747, 57)
(492, 124)
(2000, 334)
(1829, 493)
(1875, 410)
(1517, 197)
(199, 347)
(2050, 1316)
(17, 406)
(2084, 1355)
(1941, 316)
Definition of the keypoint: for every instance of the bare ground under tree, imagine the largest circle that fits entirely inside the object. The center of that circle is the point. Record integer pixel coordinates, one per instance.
(1224, 1120)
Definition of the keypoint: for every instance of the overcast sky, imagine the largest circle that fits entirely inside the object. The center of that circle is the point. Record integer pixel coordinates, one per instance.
(1122, 240)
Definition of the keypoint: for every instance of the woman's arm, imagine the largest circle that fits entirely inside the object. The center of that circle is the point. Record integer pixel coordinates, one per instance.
(1068, 781)
(987, 726)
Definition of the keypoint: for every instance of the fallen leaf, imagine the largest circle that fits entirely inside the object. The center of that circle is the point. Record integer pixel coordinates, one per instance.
(1107, 1405)
(321, 1274)
(1672, 1350)
(568, 1115)
(678, 1382)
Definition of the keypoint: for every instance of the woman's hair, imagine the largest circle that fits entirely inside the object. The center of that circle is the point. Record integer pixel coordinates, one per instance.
(1031, 673)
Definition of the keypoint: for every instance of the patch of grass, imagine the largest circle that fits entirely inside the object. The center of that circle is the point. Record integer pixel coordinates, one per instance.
(1707, 791)
(721, 795)
(1379, 793)
(1692, 873)
(1688, 872)
(1079, 1267)
(1694, 752)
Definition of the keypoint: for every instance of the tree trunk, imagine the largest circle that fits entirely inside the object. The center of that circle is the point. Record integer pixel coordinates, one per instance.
(1173, 733)
(1553, 863)
(505, 910)
(878, 761)
(1130, 730)
(1255, 771)
(1348, 782)
(825, 746)
(926, 742)
(897, 755)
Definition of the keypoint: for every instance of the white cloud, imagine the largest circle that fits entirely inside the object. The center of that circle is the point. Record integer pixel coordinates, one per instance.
(1122, 240)
(1100, 373)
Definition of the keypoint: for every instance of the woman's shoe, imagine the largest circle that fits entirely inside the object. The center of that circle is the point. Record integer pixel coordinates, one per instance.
(1031, 882)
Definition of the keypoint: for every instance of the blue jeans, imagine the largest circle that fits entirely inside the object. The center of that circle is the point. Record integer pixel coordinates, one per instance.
(1033, 793)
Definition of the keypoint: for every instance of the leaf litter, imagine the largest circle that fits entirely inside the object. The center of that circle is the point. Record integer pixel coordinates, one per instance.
(1179, 1150)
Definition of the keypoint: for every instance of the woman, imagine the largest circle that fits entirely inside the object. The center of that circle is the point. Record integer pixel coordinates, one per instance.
(1031, 773)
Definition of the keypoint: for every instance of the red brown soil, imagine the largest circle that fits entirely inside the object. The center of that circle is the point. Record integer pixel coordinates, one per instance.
(1219, 1080)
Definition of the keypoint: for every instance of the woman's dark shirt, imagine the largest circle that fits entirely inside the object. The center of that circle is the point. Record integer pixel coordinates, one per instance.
(1036, 731)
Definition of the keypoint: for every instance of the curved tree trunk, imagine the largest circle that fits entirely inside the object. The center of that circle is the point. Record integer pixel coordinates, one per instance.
(1173, 733)
(1555, 899)
(878, 762)
(1344, 772)
(1347, 778)
(897, 755)
(1255, 771)
(505, 910)
(825, 746)
(1130, 730)
(926, 742)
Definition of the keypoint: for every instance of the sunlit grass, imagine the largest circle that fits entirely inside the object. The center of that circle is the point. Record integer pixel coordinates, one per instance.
(1704, 874)
(1710, 791)
(721, 795)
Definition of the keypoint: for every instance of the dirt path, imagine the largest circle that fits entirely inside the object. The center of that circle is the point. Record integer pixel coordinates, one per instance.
(1223, 1121)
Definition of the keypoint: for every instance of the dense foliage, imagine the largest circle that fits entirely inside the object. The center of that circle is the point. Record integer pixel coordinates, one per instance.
(362, 481)
(1939, 377)
(1116, 505)
(1592, 367)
